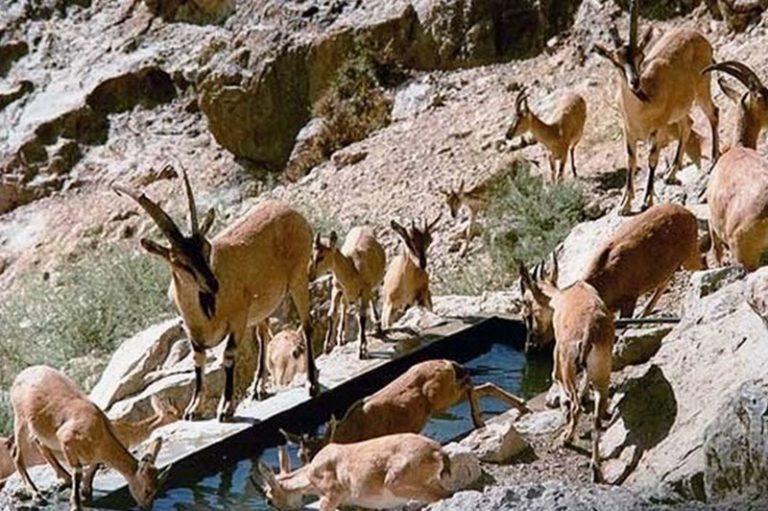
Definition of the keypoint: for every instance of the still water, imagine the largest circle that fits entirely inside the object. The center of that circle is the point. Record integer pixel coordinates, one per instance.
(503, 365)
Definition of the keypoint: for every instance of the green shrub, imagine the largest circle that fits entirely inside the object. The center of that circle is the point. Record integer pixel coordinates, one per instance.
(527, 218)
(6, 417)
(85, 308)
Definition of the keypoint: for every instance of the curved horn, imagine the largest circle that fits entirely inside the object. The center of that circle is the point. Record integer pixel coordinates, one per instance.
(520, 98)
(633, 9)
(740, 71)
(191, 200)
(432, 224)
(161, 218)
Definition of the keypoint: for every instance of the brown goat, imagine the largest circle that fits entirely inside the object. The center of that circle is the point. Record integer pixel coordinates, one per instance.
(406, 405)
(584, 332)
(738, 187)
(658, 90)
(285, 356)
(642, 255)
(560, 135)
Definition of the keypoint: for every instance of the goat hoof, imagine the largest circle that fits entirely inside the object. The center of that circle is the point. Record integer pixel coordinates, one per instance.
(191, 415)
(672, 181)
(314, 389)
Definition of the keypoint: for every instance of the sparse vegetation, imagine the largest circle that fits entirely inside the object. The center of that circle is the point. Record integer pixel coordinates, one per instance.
(86, 308)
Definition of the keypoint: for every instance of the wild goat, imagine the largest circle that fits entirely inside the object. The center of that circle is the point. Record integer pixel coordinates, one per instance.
(129, 433)
(49, 410)
(657, 90)
(693, 146)
(560, 135)
(642, 255)
(285, 356)
(358, 269)
(584, 333)
(381, 473)
(738, 187)
(405, 406)
(242, 274)
(406, 282)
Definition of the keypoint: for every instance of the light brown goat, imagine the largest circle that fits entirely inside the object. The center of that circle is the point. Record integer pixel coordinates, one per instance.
(406, 282)
(657, 90)
(642, 255)
(560, 135)
(49, 410)
(285, 356)
(738, 187)
(584, 333)
(406, 405)
(129, 433)
(381, 473)
(241, 275)
(358, 269)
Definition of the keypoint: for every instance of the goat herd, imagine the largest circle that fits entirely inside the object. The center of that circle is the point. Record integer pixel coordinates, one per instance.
(374, 457)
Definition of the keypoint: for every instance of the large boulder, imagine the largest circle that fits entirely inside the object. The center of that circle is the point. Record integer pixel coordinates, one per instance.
(497, 442)
(637, 345)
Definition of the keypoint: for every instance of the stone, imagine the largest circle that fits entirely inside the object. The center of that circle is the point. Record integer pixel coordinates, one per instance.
(704, 283)
(465, 467)
(540, 423)
(417, 319)
(490, 303)
(637, 345)
(412, 99)
(497, 442)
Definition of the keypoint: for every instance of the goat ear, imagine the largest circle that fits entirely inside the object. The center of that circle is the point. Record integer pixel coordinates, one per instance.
(604, 52)
(461, 185)
(333, 239)
(553, 270)
(399, 229)
(731, 92)
(527, 282)
(155, 248)
(283, 459)
(207, 222)
(330, 430)
(291, 438)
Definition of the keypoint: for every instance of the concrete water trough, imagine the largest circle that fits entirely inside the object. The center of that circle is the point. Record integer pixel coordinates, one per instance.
(196, 450)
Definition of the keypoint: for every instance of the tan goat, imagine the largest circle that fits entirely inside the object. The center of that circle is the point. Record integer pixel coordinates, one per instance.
(642, 255)
(584, 333)
(560, 135)
(738, 187)
(381, 473)
(358, 269)
(657, 90)
(49, 410)
(406, 282)
(285, 356)
(241, 275)
(129, 433)
(406, 405)
(693, 146)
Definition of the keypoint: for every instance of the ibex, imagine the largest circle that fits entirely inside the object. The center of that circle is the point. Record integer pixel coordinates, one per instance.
(381, 473)
(642, 255)
(560, 135)
(285, 357)
(693, 146)
(129, 433)
(406, 282)
(49, 410)
(406, 405)
(242, 274)
(657, 90)
(738, 187)
(358, 269)
(584, 333)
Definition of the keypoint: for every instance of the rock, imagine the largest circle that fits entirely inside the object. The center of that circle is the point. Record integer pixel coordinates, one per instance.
(637, 345)
(86, 369)
(345, 158)
(490, 303)
(417, 319)
(412, 99)
(540, 423)
(465, 467)
(309, 149)
(701, 305)
(704, 283)
(497, 442)
(10, 52)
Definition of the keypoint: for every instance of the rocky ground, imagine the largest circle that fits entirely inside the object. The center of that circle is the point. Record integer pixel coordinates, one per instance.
(96, 92)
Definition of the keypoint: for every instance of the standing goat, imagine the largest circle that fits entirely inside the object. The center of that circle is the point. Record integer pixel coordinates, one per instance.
(382, 473)
(738, 187)
(560, 135)
(406, 282)
(242, 274)
(358, 269)
(49, 410)
(406, 405)
(642, 255)
(129, 433)
(657, 90)
(584, 333)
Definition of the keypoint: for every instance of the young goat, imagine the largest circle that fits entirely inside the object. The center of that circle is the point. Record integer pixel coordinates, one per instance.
(49, 410)
(285, 357)
(405, 406)
(584, 333)
(658, 90)
(560, 135)
(642, 255)
(129, 433)
(737, 194)
(671, 133)
(358, 269)
(406, 282)
(381, 473)
(242, 274)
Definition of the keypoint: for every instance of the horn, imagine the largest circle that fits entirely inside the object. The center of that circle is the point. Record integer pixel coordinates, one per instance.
(191, 200)
(160, 217)
(740, 71)
(633, 9)
(431, 225)
(520, 98)
(283, 459)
